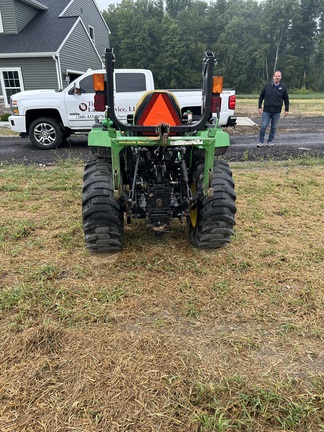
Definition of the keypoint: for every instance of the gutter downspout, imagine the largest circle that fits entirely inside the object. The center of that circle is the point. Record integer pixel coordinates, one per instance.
(58, 71)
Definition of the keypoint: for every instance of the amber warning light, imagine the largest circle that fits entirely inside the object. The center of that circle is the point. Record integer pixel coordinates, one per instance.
(217, 84)
(98, 82)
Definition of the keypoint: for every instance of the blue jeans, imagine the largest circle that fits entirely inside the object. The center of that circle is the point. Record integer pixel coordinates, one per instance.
(266, 117)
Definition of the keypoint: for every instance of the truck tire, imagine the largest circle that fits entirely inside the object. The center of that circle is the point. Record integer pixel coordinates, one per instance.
(211, 222)
(103, 219)
(45, 133)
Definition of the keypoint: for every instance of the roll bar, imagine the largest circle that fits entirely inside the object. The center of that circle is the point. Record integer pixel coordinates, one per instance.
(207, 72)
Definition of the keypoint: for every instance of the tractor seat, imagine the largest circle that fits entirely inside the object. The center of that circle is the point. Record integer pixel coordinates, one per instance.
(157, 107)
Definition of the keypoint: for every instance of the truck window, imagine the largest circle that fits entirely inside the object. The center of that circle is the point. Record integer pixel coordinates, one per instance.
(86, 84)
(131, 82)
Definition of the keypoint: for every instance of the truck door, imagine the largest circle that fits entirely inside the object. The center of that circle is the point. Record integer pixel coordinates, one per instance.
(80, 104)
(129, 88)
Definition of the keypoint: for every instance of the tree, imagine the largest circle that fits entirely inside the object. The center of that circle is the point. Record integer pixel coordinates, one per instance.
(169, 65)
(174, 7)
(238, 47)
(274, 28)
(250, 39)
(316, 76)
(301, 42)
(135, 32)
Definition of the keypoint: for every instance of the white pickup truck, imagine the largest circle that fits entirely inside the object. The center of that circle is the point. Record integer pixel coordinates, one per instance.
(49, 116)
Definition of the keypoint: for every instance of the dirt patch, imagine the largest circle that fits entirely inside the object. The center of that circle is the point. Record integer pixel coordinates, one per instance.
(296, 137)
(290, 124)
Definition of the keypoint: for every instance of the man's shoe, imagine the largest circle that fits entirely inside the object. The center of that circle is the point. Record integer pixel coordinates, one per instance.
(270, 144)
(260, 144)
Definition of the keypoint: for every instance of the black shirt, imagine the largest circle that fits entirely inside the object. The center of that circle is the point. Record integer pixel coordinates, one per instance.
(273, 97)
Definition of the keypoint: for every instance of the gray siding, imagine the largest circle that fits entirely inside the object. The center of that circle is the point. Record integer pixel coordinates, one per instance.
(24, 13)
(15, 15)
(37, 73)
(8, 16)
(90, 16)
(78, 53)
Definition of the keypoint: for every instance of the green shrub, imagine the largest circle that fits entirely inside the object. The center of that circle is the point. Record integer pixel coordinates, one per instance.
(4, 117)
(302, 90)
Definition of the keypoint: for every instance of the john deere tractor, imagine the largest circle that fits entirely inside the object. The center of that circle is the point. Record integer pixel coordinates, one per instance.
(160, 165)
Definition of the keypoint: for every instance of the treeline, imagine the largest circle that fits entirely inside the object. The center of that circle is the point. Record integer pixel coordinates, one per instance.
(250, 39)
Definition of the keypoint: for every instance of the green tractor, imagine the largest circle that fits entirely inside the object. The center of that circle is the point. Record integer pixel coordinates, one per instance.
(160, 165)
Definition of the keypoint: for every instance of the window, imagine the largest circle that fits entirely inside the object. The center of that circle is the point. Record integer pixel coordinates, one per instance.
(11, 83)
(91, 33)
(130, 82)
(86, 85)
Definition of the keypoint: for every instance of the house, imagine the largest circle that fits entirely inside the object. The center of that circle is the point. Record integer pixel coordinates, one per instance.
(48, 43)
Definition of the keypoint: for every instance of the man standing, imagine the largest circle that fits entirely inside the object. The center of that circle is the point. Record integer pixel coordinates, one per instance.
(273, 94)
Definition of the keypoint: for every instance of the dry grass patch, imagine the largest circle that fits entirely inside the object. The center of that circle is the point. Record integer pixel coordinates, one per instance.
(162, 337)
(6, 131)
(298, 107)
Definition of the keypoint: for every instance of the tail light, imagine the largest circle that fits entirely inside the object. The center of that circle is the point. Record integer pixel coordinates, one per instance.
(100, 102)
(232, 102)
(216, 104)
(98, 81)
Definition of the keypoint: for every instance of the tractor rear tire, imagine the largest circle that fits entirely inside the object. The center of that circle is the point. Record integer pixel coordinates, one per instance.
(211, 222)
(103, 219)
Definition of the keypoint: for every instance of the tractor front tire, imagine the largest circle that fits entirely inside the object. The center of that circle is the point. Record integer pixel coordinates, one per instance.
(211, 221)
(103, 220)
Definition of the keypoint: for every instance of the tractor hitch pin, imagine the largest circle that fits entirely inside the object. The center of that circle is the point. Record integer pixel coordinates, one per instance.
(163, 130)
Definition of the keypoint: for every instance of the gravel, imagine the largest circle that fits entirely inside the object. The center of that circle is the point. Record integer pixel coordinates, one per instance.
(296, 137)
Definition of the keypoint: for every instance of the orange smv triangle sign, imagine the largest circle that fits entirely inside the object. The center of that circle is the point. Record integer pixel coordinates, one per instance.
(160, 110)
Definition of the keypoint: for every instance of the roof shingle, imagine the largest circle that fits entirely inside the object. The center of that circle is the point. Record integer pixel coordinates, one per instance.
(43, 34)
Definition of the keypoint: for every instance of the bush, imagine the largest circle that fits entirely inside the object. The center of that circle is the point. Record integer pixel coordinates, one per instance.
(4, 117)
(302, 90)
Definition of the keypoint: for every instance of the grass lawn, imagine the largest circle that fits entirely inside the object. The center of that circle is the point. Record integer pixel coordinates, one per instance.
(161, 336)
(311, 105)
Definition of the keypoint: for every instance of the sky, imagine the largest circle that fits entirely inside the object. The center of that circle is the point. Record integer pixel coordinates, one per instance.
(103, 4)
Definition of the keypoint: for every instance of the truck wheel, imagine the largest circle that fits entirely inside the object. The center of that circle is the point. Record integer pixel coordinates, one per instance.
(210, 224)
(103, 219)
(45, 133)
